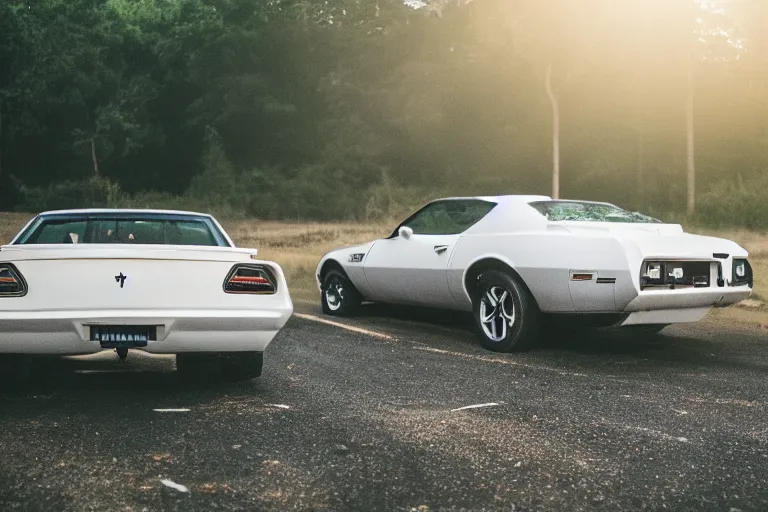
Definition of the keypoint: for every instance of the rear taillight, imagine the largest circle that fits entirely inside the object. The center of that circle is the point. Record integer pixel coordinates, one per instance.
(11, 282)
(250, 279)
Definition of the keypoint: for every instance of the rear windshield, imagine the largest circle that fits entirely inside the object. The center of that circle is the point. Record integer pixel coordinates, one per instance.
(589, 212)
(152, 230)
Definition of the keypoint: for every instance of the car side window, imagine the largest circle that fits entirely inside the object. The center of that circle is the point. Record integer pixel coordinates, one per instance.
(448, 217)
(467, 213)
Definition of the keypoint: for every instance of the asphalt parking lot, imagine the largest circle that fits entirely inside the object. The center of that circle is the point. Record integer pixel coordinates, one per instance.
(375, 419)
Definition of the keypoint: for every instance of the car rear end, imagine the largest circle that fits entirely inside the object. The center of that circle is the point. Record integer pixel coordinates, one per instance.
(679, 278)
(81, 299)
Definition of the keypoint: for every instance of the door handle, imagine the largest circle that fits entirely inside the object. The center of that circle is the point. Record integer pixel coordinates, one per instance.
(440, 249)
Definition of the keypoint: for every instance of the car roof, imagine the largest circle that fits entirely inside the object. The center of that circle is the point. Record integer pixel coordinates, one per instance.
(512, 198)
(107, 211)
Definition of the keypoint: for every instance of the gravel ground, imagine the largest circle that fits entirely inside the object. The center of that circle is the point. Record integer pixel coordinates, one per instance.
(351, 420)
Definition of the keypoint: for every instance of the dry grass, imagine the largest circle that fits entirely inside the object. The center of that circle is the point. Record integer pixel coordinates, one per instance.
(756, 243)
(299, 247)
(11, 223)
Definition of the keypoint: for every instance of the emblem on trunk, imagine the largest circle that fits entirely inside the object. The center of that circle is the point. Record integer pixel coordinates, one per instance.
(121, 279)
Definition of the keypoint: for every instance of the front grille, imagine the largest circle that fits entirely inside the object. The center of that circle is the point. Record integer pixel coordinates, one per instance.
(677, 274)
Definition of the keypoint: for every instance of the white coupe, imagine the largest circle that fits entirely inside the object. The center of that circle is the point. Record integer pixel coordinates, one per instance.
(518, 262)
(81, 281)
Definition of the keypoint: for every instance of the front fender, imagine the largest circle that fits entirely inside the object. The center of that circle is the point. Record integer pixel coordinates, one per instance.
(343, 256)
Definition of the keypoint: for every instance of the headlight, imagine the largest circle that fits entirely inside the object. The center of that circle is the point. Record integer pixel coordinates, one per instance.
(742, 273)
(653, 271)
(676, 274)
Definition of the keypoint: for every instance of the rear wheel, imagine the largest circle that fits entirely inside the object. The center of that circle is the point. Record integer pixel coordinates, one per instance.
(507, 317)
(242, 365)
(231, 366)
(338, 295)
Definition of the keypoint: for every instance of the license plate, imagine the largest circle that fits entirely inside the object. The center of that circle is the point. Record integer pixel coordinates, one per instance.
(122, 336)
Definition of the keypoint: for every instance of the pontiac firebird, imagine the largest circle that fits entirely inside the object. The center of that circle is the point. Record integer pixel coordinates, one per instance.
(82, 281)
(517, 262)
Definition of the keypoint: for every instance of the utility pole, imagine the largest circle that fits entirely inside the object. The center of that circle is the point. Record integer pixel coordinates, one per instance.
(555, 135)
(691, 137)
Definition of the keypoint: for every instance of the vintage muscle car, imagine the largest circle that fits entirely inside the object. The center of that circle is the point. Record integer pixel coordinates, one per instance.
(517, 262)
(82, 281)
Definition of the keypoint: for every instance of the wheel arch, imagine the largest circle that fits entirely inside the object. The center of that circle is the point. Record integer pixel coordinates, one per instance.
(333, 264)
(484, 264)
(330, 264)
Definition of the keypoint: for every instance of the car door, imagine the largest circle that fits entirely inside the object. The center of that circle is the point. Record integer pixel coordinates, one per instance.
(411, 267)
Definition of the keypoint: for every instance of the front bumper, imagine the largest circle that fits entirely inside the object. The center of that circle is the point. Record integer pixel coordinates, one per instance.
(68, 332)
(680, 306)
(688, 298)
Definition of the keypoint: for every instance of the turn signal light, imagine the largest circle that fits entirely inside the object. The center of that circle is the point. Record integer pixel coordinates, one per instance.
(11, 282)
(254, 279)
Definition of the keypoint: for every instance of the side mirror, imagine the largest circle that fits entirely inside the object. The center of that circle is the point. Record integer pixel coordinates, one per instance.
(405, 232)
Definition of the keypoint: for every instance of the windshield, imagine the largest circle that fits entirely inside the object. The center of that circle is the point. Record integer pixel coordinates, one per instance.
(151, 229)
(589, 212)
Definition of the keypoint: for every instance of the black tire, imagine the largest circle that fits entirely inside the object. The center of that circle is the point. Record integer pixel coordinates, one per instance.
(338, 295)
(198, 367)
(231, 366)
(241, 366)
(523, 331)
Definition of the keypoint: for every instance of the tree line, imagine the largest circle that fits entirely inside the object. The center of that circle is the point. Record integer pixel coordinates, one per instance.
(348, 109)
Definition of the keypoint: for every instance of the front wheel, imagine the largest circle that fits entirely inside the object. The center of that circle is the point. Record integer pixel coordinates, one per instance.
(338, 295)
(507, 317)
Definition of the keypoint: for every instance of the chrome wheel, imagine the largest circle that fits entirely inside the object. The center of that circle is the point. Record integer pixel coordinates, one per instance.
(497, 313)
(334, 293)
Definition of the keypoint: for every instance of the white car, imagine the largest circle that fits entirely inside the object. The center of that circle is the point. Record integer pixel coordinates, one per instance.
(515, 260)
(82, 281)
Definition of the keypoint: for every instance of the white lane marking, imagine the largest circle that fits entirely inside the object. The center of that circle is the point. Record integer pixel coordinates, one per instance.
(174, 485)
(281, 406)
(477, 406)
(419, 346)
(497, 360)
(344, 326)
(100, 371)
(171, 410)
